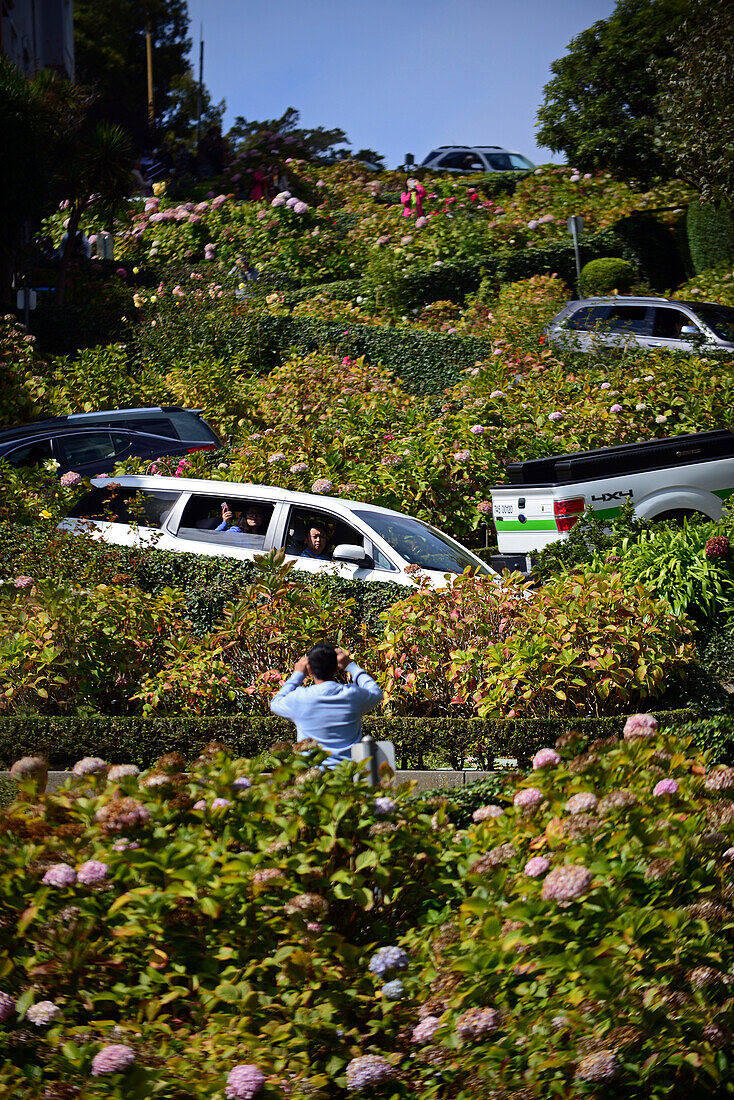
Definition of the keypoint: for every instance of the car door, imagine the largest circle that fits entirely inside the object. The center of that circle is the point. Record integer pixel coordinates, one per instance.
(627, 326)
(579, 331)
(126, 515)
(89, 453)
(667, 330)
(341, 531)
(33, 453)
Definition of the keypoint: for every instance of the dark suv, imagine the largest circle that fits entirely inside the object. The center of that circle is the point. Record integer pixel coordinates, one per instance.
(93, 446)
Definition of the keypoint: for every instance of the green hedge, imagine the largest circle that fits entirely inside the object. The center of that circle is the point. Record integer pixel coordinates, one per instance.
(208, 583)
(710, 235)
(449, 742)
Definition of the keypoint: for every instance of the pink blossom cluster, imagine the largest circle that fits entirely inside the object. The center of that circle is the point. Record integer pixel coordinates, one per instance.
(640, 725)
(600, 1065)
(475, 1023)
(120, 814)
(70, 479)
(665, 786)
(115, 1058)
(478, 429)
(528, 798)
(119, 771)
(536, 866)
(385, 805)
(7, 1006)
(59, 875)
(92, 872)
(276, 458)
(322, 485)
(308, 904)
(23, 582)
(720, 778)
(583, 803)
(299, 468)
(89, 765)
(268, 874)
(546, 758)
(42, 1013)
(567, 883)
(486, 813)
(244, 1082)
(462, 456)
(425, 1030)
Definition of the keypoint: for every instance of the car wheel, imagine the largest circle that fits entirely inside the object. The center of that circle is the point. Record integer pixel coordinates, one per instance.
(678, 515)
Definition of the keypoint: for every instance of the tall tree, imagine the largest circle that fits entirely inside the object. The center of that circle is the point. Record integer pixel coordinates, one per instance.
(696, 101)
(601, 107)
(312, 144)
(110, 48)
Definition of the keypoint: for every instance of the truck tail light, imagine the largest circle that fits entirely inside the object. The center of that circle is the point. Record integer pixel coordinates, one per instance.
(567, 512)
(202, 447)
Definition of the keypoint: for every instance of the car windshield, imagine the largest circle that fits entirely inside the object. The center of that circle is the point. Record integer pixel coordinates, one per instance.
(718, 318)
(420, 544)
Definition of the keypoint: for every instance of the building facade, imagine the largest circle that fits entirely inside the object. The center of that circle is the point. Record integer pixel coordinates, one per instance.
(38, 34)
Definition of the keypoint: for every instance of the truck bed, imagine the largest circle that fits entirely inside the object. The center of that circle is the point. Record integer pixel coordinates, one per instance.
(628, 458)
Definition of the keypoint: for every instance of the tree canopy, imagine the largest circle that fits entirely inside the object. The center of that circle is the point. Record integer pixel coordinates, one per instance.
(696, 101)
(602, 106)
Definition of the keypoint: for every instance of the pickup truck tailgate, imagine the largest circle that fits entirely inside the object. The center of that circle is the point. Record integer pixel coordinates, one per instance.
(524, 521)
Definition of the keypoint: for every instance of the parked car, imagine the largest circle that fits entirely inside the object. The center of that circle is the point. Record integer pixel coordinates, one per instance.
(363, 540)
(89, 450)
(476, 158)
(627, 321)
(168, 420)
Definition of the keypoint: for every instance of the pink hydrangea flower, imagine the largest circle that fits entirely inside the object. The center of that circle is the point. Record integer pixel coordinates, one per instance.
(487, 813)
(276, 458)
(728, 855)
(368, 1070)
(665, 786)
(119, 771)
(477, 429)
(299, 468)
(536, 866)
(421, 222)
(616, 408)
(244, 1082)
(425, 1030)
(300, 208)
(42, 1012)
(92, 872)
(385, 805)
(605, 386)
(322, 485)
(567, 883)
(555, 415)
(601, 1065)
(89, 765)
(583, 803)
(640, 725)
(115, 1058)
(462, 456)
(485, 507)
(546, 758)
(60, 875)
(23, 582)
(475, 1023)
(220, 803)
(497, 393)
(7, 1006)
(528, 798)
(70, 478)
(407, 239)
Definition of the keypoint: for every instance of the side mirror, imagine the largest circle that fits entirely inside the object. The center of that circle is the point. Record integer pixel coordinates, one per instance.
(352, 554)
(690, 330)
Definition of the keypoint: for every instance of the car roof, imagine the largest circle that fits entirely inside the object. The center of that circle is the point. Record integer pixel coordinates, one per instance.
(108, 414)
(221, 488)
(47, 430)
(642, 299)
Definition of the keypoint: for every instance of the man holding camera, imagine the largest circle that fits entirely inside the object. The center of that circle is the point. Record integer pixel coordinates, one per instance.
(329, 712)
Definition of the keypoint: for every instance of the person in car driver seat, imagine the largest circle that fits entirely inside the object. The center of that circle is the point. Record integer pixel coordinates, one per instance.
(315, 543)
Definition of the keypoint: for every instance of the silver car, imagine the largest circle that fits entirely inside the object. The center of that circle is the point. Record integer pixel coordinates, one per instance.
(466, 159)
(628, 322)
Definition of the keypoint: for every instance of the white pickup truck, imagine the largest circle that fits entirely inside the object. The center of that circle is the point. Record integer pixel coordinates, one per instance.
(663, 479)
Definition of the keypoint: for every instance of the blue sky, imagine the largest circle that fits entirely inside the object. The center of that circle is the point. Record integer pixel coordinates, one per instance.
(397, 75)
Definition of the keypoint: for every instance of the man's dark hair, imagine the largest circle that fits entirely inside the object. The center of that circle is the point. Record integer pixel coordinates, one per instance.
(322, 660)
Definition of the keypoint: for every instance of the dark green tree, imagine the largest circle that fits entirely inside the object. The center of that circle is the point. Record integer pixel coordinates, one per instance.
(696, 101)
(601, 108)
(179, 123)
(311, 144)
(110, 48)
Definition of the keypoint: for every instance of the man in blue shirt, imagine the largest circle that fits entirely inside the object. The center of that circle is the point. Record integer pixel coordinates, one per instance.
(315, 543)
(328, 712)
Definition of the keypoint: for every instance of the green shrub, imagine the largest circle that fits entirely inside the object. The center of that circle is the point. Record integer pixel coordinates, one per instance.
(602, 968)
(710, 235)
(461, 802)
(599, 277)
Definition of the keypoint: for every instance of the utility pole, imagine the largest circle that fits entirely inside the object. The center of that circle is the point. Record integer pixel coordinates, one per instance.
(201, 83)
(149, 53)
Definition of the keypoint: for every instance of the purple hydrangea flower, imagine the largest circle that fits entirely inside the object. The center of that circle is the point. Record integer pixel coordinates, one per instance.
(546, 758)
(475, 1023)
(119, 771)
(322, 485)
(60, 874)
(42, 1012)
(602, 1065)
(220, 803)
(425, 1030)
(244, 1082)
(567, 883)
(393, 990)
(299, 468)
(367, 1071)
(497, 393)
(23, 582)
(486, 813)
(387, 959)
(665, 786)
(242, 783)
(385, 805)
(583, 803)
(528, 798)
(276, 458)
(640, 725)
(537, 866)
(92, 872)
(7, 1007)
(462, 456)
(89, 765)
(555, 416)
(477, 429)
(70, 478)
(112, 1059)
(616, 408)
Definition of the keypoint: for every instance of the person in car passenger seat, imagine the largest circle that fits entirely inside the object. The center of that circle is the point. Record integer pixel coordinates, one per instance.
(315, 543)
(249, 522)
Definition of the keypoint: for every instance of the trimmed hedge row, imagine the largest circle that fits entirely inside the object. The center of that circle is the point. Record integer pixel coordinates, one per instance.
(208, 583)
(449, 742)
(710, 235)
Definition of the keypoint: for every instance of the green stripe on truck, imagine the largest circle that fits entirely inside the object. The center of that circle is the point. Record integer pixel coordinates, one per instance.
(543, 524)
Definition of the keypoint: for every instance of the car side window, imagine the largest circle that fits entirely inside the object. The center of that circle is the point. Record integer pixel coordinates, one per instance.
(117, 505)
(87, 447)
(459, 160)
(587, 317)
(302, 519)
(669, 322)
(30, 454)
(628, 319)
(247, 527)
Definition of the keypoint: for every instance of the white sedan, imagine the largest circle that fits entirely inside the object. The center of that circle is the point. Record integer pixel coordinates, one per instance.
(362, 541)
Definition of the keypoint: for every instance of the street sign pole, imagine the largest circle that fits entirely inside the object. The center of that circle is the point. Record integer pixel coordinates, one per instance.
(576, 227)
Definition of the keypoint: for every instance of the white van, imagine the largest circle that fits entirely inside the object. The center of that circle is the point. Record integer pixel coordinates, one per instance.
(363, 541)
